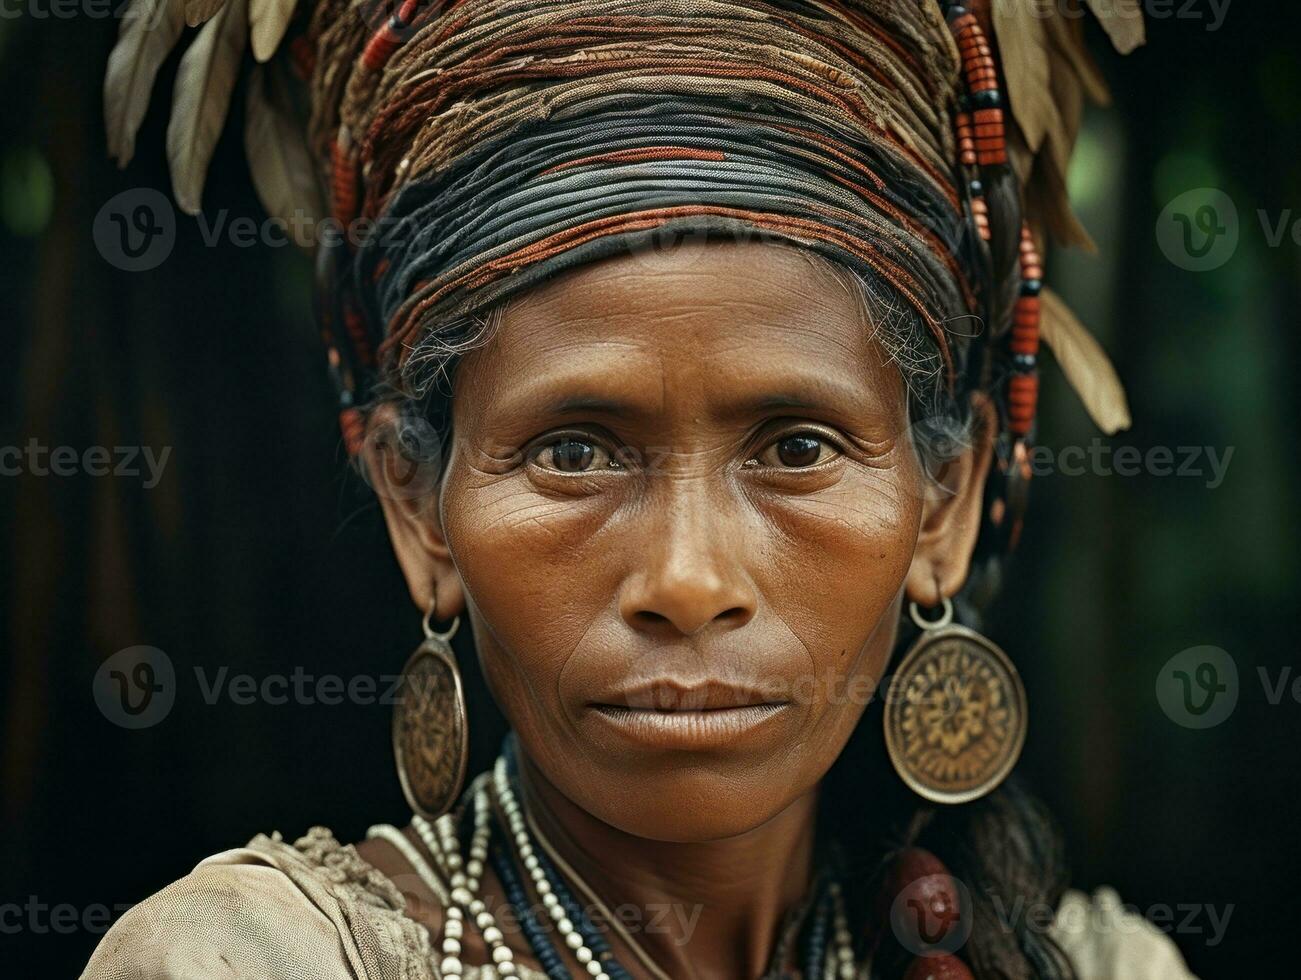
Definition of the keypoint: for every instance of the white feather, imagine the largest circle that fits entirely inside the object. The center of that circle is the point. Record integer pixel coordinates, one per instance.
(149, 31)
(268, 20)
(1084, 363)
(204, 83)
(1123, 22)
(282, 168)
(1023, 43)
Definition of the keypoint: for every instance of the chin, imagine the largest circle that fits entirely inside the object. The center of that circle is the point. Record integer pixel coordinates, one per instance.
(691, 804)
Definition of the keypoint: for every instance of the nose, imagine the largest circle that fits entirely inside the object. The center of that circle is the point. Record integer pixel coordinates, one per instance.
(691, 573)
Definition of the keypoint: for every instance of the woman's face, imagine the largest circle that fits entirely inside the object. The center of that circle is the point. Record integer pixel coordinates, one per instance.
(681, 509)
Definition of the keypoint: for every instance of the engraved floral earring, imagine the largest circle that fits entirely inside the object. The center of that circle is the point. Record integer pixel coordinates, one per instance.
(430, 741)
(955, 714)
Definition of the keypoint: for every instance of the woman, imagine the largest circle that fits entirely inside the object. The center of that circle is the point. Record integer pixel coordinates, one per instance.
(723, 318)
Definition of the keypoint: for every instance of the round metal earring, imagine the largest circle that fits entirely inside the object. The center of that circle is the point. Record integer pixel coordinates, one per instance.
(430, 740)
(955, 713)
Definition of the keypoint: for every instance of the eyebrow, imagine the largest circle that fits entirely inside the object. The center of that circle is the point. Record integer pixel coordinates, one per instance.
(773, 402)
(591, 403)
(833, 398)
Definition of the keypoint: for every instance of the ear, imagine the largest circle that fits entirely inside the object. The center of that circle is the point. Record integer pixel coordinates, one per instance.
(402, 462)
(952, 513)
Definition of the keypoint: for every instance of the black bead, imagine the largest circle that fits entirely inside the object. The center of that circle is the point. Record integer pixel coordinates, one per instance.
(987, 99)
(977, 188)
(1023, 363)
(1031, 287)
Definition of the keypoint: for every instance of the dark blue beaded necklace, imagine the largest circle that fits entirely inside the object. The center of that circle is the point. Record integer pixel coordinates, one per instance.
(543, 948)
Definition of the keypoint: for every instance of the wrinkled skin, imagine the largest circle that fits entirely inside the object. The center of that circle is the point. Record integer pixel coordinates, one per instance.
(684, 481)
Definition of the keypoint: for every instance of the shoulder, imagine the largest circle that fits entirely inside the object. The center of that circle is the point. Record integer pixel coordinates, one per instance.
(1104, 939)
(266, 910)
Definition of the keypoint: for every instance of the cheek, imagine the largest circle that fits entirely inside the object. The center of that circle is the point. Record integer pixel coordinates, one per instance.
(838, 564)
(533, 584)
(837, 579)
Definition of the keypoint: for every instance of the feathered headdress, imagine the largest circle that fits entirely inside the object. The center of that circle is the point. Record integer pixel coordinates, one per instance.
(1046, 71)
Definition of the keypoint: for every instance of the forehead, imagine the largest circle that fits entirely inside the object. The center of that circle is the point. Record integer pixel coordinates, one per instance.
(708, 320)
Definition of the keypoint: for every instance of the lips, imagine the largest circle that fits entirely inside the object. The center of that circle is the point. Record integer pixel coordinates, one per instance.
(690, 716)
(666, 695)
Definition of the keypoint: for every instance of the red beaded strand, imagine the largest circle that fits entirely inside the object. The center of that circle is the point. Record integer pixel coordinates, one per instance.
(389, 37)
(356, 327)
(982, 143)
(1023, 387)
(942, 966)
(982, 88)
(979, 121)
(343, 181)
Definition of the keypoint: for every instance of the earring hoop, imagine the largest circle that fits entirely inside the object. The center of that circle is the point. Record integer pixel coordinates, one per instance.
(433, 634)
(944, 619)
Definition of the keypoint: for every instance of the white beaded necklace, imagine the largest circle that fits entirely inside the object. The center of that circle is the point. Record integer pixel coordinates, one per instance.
(440, 839)
(842, 966)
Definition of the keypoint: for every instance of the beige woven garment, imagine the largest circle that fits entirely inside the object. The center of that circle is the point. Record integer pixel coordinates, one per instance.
(317, 911)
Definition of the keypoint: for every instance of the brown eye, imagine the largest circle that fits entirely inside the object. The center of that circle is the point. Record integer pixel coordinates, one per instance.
(797, 450)
(570, 454)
